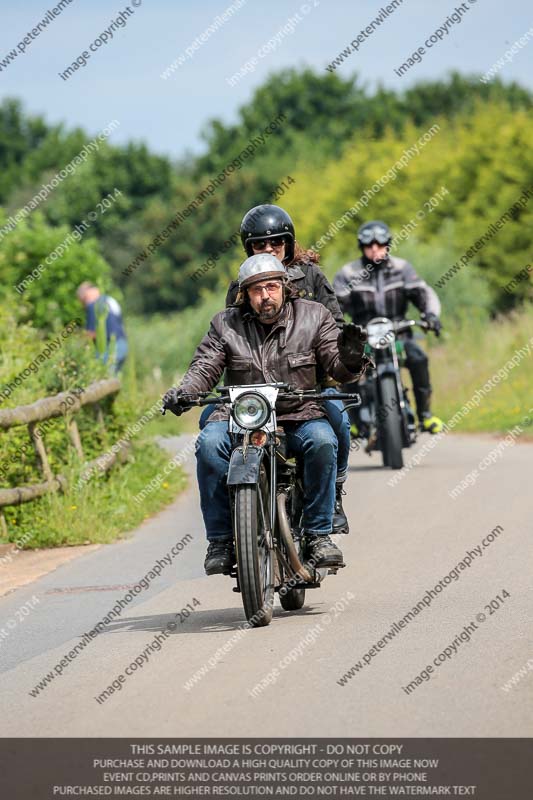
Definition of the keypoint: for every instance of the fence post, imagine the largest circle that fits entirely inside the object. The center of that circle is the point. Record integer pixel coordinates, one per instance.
(40, 450)
(74, 434)
(100, 416)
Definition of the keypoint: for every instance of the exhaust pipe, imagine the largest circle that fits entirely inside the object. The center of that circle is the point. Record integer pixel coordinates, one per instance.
(285, 529)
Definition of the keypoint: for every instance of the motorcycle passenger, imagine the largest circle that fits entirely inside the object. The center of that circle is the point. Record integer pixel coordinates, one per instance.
(271, 335)
(269, 229)
(381, 285)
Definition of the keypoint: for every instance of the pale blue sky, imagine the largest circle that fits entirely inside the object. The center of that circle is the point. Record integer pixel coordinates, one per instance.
(122, 79)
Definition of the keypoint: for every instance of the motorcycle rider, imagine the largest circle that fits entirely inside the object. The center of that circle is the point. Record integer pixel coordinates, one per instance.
(269, 229)
(271, 335)
(381, 285)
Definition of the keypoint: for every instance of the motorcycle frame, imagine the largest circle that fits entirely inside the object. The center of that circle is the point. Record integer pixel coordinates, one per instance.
(245, 465)
(387, 363)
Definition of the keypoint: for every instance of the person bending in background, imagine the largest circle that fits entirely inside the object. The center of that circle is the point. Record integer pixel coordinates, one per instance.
(103, 324)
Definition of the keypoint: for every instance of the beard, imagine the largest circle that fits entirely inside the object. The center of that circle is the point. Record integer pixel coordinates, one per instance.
(268, 311)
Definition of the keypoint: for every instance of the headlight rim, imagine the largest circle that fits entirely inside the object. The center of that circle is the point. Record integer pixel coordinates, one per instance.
(380, 341)
(264, 417)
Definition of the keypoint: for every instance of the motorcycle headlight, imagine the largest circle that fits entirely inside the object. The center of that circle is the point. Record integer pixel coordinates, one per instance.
(250, 411)
(380, 334)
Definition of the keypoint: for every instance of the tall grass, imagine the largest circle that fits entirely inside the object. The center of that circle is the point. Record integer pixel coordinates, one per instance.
(102, 510)
(164, 343)
(469, 356)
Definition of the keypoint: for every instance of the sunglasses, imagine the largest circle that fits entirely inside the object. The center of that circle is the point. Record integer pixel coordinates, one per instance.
(271, 288)
(276, 244)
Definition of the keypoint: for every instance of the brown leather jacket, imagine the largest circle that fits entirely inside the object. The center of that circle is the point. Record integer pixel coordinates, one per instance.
(304, 336)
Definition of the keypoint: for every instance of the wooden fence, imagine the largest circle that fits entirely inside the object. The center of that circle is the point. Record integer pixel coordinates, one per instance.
(59, 405)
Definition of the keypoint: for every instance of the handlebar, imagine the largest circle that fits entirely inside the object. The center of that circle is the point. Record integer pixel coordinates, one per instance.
(208, 398)
(404, 325)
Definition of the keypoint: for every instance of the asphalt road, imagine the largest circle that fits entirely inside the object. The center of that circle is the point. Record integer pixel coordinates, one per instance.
(404, 540)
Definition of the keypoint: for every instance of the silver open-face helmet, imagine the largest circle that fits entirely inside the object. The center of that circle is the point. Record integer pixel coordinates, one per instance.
(260, 267)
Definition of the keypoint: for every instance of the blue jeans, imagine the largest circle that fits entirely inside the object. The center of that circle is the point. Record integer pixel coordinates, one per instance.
(313, 442)
(339, 421)
(121, 351)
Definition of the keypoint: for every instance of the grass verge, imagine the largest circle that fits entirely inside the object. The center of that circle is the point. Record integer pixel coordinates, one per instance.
(103, 510)
(469, 357)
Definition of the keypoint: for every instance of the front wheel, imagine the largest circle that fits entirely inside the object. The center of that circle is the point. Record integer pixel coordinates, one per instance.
(390, 427)
(255, 555)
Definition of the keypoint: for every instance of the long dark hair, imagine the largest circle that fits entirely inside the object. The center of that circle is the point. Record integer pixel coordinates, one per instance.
(301, 254)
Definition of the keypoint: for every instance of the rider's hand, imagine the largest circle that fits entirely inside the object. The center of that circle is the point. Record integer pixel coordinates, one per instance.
(174, 400)
(433, 322)
(352, 340)
(351, 343)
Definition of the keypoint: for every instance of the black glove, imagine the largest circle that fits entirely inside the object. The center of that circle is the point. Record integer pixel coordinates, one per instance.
(351, 343)
(174, 400)
(434, 323)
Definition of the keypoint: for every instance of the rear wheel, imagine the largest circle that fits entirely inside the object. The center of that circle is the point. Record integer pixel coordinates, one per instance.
(390, 427)
(255, 556)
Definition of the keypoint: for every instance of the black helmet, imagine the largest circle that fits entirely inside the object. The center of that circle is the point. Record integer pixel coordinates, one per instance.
(374, 231)
(266, 222)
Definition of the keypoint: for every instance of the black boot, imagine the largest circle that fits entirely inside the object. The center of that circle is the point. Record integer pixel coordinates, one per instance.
(220, 557)
(422, 400)
(340, 520)
(322, 552)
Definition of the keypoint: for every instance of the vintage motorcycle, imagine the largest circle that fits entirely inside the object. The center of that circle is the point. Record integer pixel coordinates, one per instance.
(386, 419)
(266, 496)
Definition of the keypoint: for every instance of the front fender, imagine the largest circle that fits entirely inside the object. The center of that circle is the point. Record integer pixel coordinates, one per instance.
(245, 471)
(386, 368)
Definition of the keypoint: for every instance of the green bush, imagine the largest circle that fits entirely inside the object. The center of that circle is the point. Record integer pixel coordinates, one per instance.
(48, 299)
